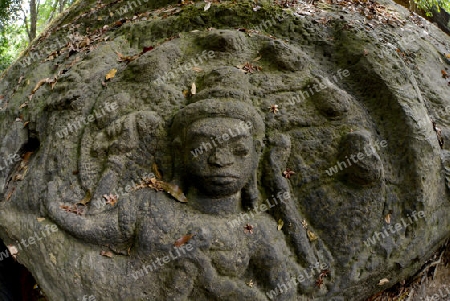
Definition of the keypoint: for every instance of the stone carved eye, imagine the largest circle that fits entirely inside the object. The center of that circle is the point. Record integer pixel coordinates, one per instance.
(240, 150)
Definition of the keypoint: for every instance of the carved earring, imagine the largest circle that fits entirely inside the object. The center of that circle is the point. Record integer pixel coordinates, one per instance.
(250, 194)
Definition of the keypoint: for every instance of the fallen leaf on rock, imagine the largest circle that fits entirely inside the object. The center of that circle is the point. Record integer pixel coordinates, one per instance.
(26, 123)
(444, 73)
(107, 254)
(280, 224)
(304, 224)
(23, 105)
(172, 189)
(13, 251)
(319, 282)
(250, 283)
(175, 191)
(52, 258)
(111, 199)
(207, 6)
(39, 84)
(248, 229)
(311, 235)
(78, 210)
(197, 69)
(126, 58)
(249, 67)
(181, 241)
(324, 273)
(41, 219)
(257, 59)
(155, 169)
(387, 218)
(147, 49)
(273, 108)
(10, 193)
(111, 74)
(193, 89)
(288, 173)
(51, 81)
(86, 199)
(383, 281)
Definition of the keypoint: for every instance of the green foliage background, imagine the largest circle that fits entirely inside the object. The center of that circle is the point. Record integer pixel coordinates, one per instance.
(427, 5)
(13, 36)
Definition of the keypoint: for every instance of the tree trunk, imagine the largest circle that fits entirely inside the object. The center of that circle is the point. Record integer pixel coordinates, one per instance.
(33, 20)
(413, 6)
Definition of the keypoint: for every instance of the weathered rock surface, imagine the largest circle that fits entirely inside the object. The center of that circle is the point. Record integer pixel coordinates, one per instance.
(356, 101)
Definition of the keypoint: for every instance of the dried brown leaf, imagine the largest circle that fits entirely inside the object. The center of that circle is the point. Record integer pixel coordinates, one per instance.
(304, 224)
(40, 219)
(193, 89)
(387, 218)
(181, 241)
(280, 224)
(311, 235)
(13, 251)
(86, 199)
(383, 281)
(248, 229)
(52, 258)
(10, 193)
(111, 74)
(39, 84)
(173, 190)
(155, 169)
(147, 49)
(108, 254)
(111, 199)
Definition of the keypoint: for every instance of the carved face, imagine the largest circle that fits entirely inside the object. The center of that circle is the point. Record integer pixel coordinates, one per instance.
(219, 155)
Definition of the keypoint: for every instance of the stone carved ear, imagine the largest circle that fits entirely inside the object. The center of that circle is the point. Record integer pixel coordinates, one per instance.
(366, 169)
(177, 162)
(259, 146)
(250, 193)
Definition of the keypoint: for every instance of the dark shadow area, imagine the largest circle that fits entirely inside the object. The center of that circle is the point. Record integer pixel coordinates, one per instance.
(16, 282)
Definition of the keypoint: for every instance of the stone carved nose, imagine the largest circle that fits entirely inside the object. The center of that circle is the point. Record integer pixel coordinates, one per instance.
(221, 157)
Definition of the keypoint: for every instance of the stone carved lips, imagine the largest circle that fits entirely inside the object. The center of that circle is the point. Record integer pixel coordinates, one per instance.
(223, 179)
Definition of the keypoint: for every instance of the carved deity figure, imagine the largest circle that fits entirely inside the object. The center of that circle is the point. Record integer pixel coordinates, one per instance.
(217, 146)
